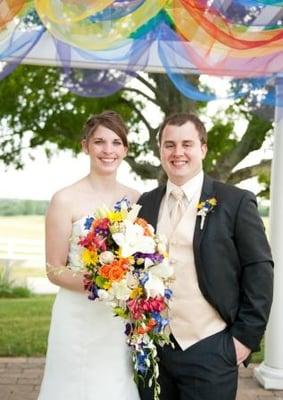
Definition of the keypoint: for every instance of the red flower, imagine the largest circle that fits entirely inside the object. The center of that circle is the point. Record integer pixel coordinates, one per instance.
(93, 242)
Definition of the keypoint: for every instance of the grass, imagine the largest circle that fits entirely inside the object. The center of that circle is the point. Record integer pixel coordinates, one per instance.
(24, 326)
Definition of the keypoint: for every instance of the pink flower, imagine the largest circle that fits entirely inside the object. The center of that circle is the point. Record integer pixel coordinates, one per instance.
(135, 308)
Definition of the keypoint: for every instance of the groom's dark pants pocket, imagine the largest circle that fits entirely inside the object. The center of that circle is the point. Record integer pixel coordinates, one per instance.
(205, 371)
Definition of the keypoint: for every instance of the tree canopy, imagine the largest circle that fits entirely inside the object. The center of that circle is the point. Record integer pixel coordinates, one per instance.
(34, 104)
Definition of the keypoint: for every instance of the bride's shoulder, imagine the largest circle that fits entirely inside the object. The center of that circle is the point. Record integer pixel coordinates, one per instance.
(68, 194)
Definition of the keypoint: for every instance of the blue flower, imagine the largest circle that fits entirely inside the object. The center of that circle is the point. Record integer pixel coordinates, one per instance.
(144, 278)
(141, 362)
(124, 203)
(168, 293)
(161, 322)
(88, 222)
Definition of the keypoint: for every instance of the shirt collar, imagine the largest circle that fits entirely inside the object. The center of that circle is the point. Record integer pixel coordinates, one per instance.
(189, 188)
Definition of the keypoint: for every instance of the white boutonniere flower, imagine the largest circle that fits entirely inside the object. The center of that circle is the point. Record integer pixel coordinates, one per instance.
(205, 207)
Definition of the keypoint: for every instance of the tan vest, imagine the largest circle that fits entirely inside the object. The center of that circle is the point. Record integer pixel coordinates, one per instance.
(191, 317)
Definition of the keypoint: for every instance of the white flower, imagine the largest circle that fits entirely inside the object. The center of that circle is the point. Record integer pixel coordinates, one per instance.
(104, 295)
(132, 281)
(148, 262)
(132, 240)
(154, 286)
(133, 213)
(163, 270)
(161, 244)
(120, 290)
(106, 257)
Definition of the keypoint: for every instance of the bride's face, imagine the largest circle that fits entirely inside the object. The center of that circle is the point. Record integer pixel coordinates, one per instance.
(106, 150)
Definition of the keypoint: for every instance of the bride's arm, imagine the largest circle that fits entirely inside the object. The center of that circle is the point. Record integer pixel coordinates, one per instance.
(58, 232)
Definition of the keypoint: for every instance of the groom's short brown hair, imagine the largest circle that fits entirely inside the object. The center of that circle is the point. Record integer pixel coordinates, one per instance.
(179, 119)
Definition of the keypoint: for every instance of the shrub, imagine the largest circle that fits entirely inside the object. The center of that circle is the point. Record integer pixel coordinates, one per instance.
(9, 290)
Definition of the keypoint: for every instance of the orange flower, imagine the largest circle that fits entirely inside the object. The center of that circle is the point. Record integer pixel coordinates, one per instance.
(149, 326)
(116, 273)
(123, 263)
(144, 224)
(104, 270)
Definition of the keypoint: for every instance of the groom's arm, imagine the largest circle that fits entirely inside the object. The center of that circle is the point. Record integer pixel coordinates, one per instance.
(256, 281)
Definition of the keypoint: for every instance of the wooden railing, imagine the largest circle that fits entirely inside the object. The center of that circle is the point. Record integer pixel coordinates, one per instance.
(21, 252)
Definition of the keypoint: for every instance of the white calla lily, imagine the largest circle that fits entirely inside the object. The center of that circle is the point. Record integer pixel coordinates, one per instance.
(163, 270)
(133, 240)
(133, 213)
(154, 286)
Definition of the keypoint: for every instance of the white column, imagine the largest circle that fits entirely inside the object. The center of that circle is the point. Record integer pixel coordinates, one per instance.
(270, 372)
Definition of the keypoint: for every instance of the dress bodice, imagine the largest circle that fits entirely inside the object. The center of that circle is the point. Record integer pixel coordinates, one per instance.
(74, 256)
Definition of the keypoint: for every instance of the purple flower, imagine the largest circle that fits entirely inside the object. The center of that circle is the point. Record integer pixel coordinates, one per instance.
(93, 294)
(156, 258)
(128, 328)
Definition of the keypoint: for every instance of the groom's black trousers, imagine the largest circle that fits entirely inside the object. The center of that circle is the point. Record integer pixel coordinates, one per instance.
(205, 371)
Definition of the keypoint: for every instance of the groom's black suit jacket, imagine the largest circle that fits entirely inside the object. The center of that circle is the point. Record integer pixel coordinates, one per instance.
(232, 257)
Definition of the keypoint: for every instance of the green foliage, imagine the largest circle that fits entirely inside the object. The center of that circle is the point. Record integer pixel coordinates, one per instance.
(220, 142)
(42, 106)
(22, 207)
(24, 326)
(42, 112)
(9, 290)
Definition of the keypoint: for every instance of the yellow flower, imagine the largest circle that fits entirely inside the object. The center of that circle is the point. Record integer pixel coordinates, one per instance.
(213, 201)
(107, 285)
(116, 216)
(136, 292)
(89, 257)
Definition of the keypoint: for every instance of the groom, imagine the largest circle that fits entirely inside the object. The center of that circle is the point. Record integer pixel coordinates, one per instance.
(222, 290)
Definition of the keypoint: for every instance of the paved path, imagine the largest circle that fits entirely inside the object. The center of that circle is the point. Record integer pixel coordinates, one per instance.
(20, 380)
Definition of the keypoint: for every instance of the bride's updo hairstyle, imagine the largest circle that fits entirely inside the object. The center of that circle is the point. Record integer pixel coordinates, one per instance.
(108, 119)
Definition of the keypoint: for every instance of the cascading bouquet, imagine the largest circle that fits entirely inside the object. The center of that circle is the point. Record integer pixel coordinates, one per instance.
(126, 265)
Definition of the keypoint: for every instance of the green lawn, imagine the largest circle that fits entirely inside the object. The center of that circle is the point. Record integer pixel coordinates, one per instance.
(24, 325)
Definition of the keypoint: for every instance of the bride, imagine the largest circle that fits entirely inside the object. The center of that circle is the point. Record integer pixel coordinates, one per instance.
(87, 356)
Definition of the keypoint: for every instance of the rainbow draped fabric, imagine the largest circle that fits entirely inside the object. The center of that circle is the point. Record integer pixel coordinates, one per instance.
(237, 38)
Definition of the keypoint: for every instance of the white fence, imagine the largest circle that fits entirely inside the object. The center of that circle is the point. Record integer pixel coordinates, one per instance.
(21, 252)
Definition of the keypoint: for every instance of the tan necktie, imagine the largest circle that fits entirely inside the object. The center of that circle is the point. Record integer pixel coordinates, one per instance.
(179, 206)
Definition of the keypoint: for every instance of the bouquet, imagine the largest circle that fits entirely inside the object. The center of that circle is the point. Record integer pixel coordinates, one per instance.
(126, 265)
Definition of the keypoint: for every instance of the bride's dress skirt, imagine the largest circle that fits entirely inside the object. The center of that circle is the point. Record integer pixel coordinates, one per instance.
(87, 357)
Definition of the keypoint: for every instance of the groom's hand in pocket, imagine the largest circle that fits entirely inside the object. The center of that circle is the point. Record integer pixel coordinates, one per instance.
(242, 351)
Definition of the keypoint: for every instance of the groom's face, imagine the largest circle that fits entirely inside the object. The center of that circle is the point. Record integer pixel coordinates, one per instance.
(181, 152)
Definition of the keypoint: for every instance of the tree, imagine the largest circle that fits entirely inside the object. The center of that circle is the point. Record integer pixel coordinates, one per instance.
(34, 102)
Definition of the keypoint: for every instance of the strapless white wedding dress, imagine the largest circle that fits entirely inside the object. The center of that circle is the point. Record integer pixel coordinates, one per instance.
(87, 356)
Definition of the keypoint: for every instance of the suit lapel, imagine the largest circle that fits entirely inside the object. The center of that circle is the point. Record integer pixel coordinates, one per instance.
(150, 209)
(206, 193)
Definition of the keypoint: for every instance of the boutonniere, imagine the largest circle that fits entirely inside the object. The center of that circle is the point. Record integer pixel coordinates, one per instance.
(205, 207)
